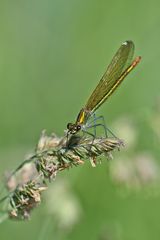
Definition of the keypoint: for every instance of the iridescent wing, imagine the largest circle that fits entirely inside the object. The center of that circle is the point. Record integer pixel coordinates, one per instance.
(118, 69)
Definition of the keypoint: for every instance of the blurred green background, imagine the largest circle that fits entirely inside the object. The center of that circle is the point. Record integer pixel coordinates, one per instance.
(52, 54)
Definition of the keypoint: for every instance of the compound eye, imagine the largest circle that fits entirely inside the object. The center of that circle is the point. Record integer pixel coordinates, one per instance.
(69, 126)
(78, 127)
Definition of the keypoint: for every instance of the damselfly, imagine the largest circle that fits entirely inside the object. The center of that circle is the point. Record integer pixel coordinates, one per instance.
(121, 65)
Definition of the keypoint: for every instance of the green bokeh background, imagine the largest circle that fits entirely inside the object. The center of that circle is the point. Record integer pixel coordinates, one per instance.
(52, 53)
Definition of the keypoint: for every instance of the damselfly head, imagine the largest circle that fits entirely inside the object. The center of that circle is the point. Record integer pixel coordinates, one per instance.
(73, 128)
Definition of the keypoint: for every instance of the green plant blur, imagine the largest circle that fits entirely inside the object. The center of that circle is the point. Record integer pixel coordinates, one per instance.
(52, 55)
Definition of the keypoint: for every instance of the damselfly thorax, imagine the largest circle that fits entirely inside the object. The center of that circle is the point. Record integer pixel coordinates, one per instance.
(81, 120)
